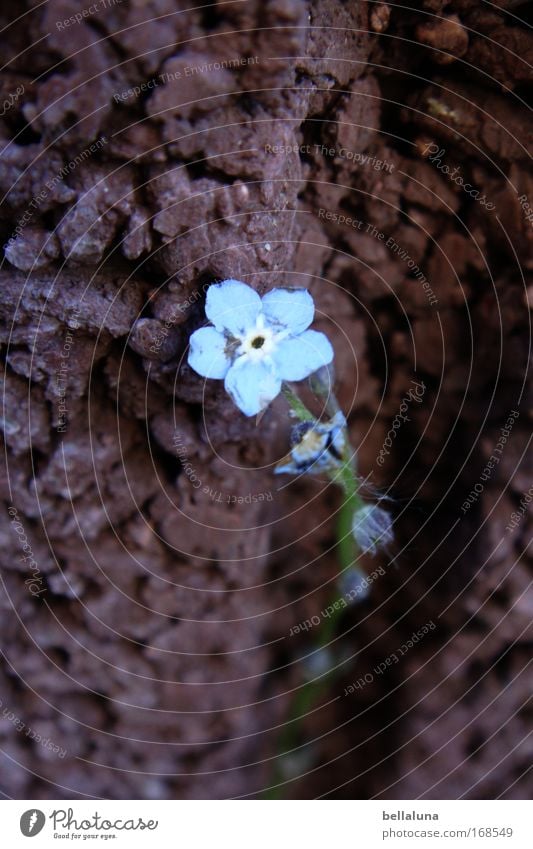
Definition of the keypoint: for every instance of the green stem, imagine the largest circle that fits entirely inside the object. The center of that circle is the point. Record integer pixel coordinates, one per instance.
(346, 478)
(321, 383)
(296, 404)
(302, 703)
(346, 543)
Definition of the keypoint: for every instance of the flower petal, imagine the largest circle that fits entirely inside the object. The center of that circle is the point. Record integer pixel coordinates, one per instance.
(232, 306)
(300, 356)
(207, 353)
(289, 309)
(252, 386)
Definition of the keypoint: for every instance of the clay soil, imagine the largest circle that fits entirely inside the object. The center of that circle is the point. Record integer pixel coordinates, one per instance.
(152, 149)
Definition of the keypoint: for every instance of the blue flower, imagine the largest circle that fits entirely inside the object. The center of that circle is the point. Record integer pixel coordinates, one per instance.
(372, 528)
(256, 343)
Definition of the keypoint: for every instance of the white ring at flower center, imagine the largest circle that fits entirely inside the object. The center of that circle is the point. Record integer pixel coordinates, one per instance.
(257, 351)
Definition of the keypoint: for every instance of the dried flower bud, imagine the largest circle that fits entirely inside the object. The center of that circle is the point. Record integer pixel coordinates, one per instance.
(354, 585)
(319, 663)
(372, 528)
(298, 432)
(315, 447)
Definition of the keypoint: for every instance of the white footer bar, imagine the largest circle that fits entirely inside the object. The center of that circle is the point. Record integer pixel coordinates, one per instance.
(267, 825)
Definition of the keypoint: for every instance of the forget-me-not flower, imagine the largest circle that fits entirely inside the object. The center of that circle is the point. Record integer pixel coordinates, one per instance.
(256, 343)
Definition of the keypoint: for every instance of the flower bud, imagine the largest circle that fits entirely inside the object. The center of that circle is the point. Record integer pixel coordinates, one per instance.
(317, 664)
(315, 447)
(372, 528)
(354, 585)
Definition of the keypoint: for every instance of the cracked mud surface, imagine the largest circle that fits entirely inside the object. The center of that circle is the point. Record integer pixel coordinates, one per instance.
(157, 148)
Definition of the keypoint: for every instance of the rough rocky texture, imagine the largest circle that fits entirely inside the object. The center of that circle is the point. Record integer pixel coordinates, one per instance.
(136, 168)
